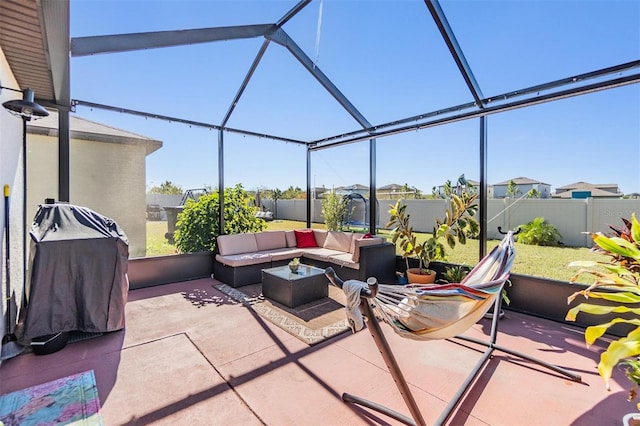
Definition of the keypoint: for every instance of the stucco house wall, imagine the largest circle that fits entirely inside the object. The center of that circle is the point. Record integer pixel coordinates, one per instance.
(107, 172)
(10, 174)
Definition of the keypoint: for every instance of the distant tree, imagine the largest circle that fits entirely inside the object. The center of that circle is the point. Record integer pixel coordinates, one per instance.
(533, 193)
(266, 193)
(167, 187)
(198, 227)
(408, 190)
(334, 211)
(462, 186)
(513, 190)
(447, 188)
(276, 195)
(292, 193)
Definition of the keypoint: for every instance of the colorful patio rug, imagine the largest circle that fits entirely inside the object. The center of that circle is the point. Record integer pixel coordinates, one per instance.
(312, 322)
(69, 400)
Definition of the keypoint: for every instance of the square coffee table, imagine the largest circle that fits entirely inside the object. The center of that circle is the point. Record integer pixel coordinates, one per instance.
(294, 289)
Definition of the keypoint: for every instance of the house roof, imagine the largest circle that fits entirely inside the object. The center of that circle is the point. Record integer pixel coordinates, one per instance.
(81, 128)
(354, 187)
(391, 187)
(37, 53)
(586, 185)
(521, 181)
(595, 192)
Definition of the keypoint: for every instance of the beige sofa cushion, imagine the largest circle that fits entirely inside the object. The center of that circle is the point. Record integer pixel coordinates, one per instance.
(287, 253)
(360, 242)
(337, 240)
(344, 259)
(320, 253)
(321, 236)
(244, 259)
(236, 244)
(270, 240)
(291, 238)
(356, 236)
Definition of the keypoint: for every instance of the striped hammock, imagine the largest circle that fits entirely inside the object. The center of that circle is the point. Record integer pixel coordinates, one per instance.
(435, 311)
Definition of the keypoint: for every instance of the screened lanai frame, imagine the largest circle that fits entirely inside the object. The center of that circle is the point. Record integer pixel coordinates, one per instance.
(481, 106)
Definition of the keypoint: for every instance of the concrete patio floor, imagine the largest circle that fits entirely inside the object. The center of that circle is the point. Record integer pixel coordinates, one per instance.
(190, 355)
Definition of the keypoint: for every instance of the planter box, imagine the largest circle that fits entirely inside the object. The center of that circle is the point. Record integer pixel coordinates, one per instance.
(151, 271)
(548, 299)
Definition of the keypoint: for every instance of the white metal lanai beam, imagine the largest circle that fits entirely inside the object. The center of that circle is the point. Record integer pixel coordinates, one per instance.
(293, 12)
(450, 39)
(290, 14)
(83, 46)
(245, 82)
(283, 39)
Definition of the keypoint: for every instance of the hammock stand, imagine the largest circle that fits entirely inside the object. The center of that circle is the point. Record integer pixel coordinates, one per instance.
(367, 300)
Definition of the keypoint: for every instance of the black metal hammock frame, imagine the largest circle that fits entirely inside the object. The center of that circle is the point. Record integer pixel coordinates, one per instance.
(439, 312)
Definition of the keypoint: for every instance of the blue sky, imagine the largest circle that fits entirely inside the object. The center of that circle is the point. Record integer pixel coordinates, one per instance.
(390, 62)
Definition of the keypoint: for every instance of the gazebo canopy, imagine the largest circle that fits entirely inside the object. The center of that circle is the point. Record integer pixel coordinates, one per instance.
(382, 83)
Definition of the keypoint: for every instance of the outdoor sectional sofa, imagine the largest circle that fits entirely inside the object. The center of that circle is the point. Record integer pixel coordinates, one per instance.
(240, 258)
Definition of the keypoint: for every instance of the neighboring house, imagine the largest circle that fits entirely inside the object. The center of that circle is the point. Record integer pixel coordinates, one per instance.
(588, 190)
(523, 185)
(457, 188)
(352, 189)
(395, 191)
(107, 172)
(318, 192)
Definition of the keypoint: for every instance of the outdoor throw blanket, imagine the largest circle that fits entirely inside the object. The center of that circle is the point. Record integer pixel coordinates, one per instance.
(71, 399)
(351, 290)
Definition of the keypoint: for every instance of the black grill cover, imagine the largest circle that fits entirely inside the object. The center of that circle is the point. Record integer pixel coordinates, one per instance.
(77, 277)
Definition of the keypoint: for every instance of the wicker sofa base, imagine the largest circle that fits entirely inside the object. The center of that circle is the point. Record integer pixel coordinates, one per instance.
(375, 261)
(239, 276)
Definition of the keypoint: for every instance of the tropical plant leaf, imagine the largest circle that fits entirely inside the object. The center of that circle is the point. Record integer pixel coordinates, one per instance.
(589, 308)
(462, 237)
(619, 297)
(622, 278)
(618, 350)
(617, 246)
(635, 229)
(594, 332)
(451, 241)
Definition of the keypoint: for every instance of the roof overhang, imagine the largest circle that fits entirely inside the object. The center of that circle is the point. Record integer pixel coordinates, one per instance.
(34, 36)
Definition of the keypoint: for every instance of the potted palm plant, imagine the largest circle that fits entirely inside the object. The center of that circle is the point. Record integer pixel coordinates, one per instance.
(457, 225)
(619, 280)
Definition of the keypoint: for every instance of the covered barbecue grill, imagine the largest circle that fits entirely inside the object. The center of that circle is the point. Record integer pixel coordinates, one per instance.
(77, 279)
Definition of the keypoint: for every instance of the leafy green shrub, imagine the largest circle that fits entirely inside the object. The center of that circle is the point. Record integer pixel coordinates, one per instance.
(539, 233)
(620, 279)
(455, 274)
(334, 211)
(457, 224)
(198, 227)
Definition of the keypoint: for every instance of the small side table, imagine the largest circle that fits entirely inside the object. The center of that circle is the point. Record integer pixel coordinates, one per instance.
(294, 289)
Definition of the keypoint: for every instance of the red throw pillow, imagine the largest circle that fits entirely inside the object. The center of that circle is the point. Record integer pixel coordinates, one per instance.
(305, 239)
(367, 235)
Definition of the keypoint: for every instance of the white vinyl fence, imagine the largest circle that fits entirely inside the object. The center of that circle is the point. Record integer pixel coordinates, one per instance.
(572, 218)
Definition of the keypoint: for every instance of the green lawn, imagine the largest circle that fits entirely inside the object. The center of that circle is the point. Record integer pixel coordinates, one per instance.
(157, 244)
(546, 262)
